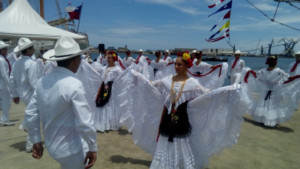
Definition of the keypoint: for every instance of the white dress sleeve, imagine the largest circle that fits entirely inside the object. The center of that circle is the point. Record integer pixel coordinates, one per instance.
(91, 81)
(214, 78)
(142, 105)
(216, 119)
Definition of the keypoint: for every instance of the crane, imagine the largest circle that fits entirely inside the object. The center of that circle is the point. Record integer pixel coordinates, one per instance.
(289, 46)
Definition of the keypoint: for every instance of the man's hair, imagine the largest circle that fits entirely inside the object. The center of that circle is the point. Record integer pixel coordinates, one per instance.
(65, 63)
(25, 50)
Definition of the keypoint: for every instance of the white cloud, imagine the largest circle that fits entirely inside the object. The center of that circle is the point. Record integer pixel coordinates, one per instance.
(181, 5)
(130, 31)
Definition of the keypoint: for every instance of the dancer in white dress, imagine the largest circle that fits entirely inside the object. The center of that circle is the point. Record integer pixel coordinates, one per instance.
(108, 116)
(236, 67)
(128, 60)
(199, 67)
(194, 124)
(270, 95)
(211, 77)
(158, 64)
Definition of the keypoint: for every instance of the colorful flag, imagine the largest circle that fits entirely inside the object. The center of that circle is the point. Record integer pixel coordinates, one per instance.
(215, 4)
(225, 34)
(74, 12)
(224, 7)
(226, 16)
(226, 25)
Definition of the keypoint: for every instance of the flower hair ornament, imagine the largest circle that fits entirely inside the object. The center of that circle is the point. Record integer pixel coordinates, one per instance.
(187, 59)
(114, 55)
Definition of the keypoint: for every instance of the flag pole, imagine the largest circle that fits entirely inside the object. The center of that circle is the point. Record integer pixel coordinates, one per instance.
(79, 18)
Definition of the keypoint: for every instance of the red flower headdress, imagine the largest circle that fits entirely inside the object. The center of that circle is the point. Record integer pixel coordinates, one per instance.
(186, 58)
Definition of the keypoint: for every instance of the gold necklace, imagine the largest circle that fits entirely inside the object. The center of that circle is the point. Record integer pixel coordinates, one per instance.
(173, 92)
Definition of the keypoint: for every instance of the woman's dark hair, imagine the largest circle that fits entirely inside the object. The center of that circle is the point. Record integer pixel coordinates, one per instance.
(128, 52)
(157, 53)
(271, 61)
(198, 54)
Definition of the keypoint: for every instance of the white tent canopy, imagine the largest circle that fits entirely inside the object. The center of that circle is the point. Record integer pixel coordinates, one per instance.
(20, 20)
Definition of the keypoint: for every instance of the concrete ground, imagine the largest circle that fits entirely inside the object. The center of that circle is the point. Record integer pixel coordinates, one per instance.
(258, 148)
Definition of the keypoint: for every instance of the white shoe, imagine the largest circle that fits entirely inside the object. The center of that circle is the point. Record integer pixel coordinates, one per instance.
(29, 151)
(6, 123)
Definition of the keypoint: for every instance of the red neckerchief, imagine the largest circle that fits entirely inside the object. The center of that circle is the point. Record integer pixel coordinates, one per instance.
(138, 60)
(165, 57)
(121, 64)
(235, 61)
(9, 67)
(295, 66)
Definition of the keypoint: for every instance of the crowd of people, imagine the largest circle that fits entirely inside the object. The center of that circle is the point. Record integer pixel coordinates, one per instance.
(177, 110)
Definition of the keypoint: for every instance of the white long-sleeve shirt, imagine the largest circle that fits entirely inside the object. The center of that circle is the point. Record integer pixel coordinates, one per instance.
(297, 70)
(12, 58)
(4, 73)
(59, 103)
(24, 77)
(240, 64)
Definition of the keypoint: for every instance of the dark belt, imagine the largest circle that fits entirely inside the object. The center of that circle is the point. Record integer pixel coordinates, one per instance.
(268, 96)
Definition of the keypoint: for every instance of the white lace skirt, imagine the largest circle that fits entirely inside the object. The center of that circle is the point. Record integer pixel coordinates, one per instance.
(107, 118)
(173, 155)
(271, 111)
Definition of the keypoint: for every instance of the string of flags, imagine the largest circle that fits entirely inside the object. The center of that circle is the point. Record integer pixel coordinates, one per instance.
(226, 26)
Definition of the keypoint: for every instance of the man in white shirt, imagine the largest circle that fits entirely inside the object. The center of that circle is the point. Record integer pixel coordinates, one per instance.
(24, 77)
(167, 57)
(236, 68)
(5, 69)
(294, 68)
(59, 104)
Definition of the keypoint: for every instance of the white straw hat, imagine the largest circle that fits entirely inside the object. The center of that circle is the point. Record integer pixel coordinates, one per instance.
(194, 51)
(237, 52)
(23, 43)
(297, 53)
(3, 45)
(65, 48)
(141, 50)
(167, 51)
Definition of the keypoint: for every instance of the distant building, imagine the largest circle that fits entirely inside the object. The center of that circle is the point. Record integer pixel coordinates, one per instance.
(111, 48)
(122, 50)
(217, 51)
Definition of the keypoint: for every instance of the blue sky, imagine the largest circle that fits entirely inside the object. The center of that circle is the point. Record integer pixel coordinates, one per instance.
(167, 24)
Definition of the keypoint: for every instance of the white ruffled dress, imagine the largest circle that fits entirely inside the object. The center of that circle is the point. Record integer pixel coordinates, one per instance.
(159, 66)
(210, 77)
(272, 101)
(215, 117)
(108, 116)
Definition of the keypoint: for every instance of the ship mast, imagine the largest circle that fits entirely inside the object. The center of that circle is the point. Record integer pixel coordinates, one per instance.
(42, 9)
(1, 5)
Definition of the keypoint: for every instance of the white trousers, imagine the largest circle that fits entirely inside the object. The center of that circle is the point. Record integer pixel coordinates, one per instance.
(5, 104)
(75, 161)
(235, 78)
(22, 126)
